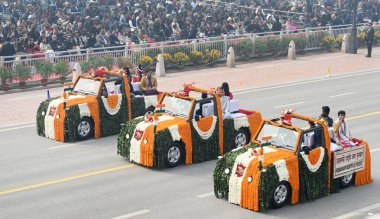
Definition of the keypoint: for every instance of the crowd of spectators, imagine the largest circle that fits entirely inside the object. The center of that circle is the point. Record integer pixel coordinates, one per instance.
(35, 26)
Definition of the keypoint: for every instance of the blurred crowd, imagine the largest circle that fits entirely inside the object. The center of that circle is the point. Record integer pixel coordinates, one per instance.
(35, 26)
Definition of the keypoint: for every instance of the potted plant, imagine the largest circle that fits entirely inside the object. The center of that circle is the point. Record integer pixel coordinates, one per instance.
(22, 73)
(6, 75)
(61, 69)
(45, 68)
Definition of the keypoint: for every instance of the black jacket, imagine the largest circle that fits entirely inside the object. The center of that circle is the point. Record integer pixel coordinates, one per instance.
(8, 49)
(369, 35)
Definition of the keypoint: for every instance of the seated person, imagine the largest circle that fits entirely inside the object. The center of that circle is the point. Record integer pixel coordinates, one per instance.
(148, 84)
(341, 130)
(225, 89)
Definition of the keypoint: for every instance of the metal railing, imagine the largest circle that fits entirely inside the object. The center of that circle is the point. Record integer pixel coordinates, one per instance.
(311, 41)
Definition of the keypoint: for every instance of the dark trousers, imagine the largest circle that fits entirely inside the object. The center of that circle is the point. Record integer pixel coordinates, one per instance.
(369, 49)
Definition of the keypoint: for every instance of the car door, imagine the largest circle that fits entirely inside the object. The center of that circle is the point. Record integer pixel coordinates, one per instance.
(112, 110)
(204, 130)
(313, 164)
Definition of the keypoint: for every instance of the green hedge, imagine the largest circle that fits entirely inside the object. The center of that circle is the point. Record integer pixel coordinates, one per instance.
(221, 179)
(312, 185)
(268, 182)
(110, 124)
(72, 120)
(204, 150)
(123, 144)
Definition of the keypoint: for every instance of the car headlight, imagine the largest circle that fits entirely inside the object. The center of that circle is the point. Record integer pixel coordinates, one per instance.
(57, 116)
(43, 113)
(227, 171)
(127, 136)
(145, 141)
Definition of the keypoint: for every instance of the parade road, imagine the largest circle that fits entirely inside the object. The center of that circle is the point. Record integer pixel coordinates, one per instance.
(42, 178)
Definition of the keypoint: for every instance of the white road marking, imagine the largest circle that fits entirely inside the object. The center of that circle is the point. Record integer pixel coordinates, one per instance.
(206, 195)
(290, 104)
(133, 214)
(344, 94)
(375, 150)
(15, 128)
(358, 212)
(69, 145)
(313, 80)
(16, 125)
(26, 97)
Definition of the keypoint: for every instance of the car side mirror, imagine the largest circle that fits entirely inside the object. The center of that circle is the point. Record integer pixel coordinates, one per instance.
(306, 149)
(197, 117)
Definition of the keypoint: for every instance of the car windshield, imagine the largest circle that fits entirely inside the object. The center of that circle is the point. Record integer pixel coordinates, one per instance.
(87, 86)
(177, 106)
(278, 136)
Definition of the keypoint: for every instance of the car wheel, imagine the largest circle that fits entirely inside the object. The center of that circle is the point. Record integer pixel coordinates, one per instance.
(84, 129)
(242, 138)
(280, 195)
(174, 154)
(346, 181)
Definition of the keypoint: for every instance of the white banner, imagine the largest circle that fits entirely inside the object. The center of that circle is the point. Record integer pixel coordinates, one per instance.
(349, 161)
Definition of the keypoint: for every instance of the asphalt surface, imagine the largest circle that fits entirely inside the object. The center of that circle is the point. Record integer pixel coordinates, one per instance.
(41, 178)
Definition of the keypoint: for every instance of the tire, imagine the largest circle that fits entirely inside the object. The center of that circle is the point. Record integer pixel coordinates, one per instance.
(280, 195)
(174, 155)
(242, 138)
(84, 129)
(346, 181)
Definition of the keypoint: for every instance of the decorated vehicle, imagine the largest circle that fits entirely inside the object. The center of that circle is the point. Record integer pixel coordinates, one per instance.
(95, 105)
(286, 163)
(186, 128)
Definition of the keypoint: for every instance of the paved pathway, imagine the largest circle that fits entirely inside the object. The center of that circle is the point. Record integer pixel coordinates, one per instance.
(18, 108)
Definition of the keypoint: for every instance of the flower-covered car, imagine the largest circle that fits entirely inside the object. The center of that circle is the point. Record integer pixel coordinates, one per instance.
(93, 106)
(186, 128)
(283, 164)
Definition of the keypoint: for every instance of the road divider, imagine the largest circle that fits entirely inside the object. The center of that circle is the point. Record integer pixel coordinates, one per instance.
(66, 179)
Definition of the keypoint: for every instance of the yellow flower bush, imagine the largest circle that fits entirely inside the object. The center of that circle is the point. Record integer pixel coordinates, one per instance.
(210, 56)
(146, 61)
(328, 43)
(196, 56)
(339, 39)
(180, 59)
(167, 57)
